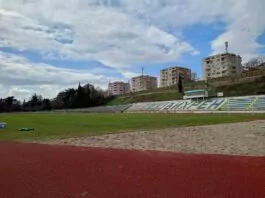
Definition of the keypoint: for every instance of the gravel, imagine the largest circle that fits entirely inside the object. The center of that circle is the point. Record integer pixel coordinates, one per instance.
(247, 138)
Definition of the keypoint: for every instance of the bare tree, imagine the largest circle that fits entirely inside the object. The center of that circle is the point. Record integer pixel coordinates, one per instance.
(194, 76)
(255, 62)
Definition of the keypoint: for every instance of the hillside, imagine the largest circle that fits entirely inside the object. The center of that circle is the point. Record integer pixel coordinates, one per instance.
(242, 89)
(147, 97)
(252, 87)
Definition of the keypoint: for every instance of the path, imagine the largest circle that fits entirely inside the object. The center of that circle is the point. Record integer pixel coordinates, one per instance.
(32, 170)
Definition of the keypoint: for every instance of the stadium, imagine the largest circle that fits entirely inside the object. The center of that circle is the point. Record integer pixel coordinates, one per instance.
(197, 144)
(79, 119)
(199, 141)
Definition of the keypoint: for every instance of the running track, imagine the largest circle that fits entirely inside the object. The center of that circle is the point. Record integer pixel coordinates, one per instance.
(31, 170)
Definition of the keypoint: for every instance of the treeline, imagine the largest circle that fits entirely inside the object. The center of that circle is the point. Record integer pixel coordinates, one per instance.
(82, 97)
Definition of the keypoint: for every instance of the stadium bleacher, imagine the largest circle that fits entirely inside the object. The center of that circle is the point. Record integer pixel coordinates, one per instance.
(259, 104)
(248, 103)
(101, 109)
(238, 104)
(178, 105)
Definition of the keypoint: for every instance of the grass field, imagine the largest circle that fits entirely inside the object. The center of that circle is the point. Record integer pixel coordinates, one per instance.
(67, 125)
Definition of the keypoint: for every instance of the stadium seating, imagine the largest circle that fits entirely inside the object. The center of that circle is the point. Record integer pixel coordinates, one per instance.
(178, 105)
(238, 104)
(101, 109)
(140, 107)
(260, 104)
(248, 103)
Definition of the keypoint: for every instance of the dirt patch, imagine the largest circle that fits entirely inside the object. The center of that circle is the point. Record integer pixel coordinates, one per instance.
(247, 138)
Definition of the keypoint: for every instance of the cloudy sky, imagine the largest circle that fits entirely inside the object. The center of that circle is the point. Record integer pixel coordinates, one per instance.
(49, 45)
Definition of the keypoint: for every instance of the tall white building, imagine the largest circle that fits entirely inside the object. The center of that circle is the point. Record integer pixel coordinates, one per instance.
(169, 76)
(118, 88)
(221, 65)
(144, 82)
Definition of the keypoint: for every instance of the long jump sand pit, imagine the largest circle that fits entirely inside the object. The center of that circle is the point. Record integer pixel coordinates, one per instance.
(245, 138)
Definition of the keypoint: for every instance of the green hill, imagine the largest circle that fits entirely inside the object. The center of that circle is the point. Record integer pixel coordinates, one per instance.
(146, 97)
(251, 86)
(243, 89)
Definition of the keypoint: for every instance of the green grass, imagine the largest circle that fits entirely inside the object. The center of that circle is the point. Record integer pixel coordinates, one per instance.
(68, 125)
(243, 89)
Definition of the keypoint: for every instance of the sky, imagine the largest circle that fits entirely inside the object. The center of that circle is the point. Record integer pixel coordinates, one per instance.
(47, 46)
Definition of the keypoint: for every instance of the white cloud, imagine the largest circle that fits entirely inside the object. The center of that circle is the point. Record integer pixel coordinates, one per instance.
(21, 78)
(120, 33)
(78, 30)
(244, 19)
(129, 75)
(117, 33)
(245, 24)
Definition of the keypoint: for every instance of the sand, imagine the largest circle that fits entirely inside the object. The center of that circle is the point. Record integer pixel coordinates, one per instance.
(246, 138)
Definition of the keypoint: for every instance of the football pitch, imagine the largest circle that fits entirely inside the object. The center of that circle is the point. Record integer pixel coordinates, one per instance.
(63, 125)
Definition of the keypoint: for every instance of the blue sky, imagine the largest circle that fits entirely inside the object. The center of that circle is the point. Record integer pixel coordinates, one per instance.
(47, 46)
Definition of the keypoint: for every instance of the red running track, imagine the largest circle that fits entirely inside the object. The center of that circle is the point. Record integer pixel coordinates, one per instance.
(31, 170)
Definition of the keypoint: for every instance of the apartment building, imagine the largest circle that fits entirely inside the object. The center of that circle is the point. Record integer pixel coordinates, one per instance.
(118, 88)
(169, 76)
(144, 82)
(221, 65)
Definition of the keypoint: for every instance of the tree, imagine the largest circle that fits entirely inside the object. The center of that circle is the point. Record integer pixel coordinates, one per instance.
(68, 98)
(46, 105)
(80, 97)
(9, 100)
(180, 86)
(194, 76)
(9, 104)
(34, 100)
(1, 105)
(88, 89)
(35, 103)
(254, 62)
(86, 96)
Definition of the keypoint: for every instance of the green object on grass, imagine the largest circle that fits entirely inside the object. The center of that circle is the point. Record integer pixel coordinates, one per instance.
(26, 129)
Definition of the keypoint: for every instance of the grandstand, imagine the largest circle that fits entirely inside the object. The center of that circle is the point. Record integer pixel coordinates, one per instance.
(259, 104)
(236, 104)
(225, 104)
(245, 84)
(101, 109)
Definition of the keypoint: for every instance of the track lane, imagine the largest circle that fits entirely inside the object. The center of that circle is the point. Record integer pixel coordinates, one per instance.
(33, 170)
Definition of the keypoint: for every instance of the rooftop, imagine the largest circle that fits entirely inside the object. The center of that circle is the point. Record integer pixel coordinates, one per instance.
(222, 54)
(144, 76)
